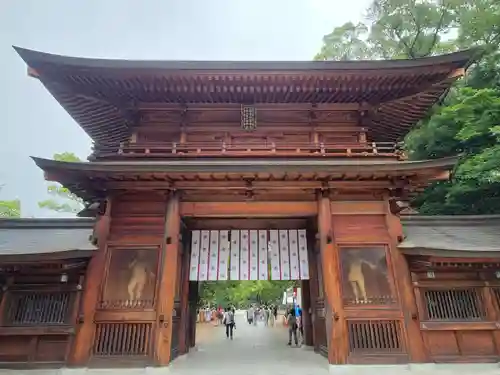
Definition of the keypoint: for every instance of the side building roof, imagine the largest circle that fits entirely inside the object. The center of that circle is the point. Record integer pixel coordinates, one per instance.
(103, 95)
(52, 238)
(452, 236)
(440, 236)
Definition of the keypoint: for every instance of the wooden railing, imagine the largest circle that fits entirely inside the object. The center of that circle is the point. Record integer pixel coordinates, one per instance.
(222, 149)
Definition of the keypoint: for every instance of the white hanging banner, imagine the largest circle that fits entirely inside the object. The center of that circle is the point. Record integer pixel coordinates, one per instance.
(263, 255)
(213, 261)
(294, 254)
(195, 255)
(235, 255)
(249, 255)
(204, 249)
(244, 255)
(284, 255)
(224, 247)
(303, 258)
(275, 255)
(254, 255)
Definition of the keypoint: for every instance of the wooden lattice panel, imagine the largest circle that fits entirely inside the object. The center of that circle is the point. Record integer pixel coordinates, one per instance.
(122, 339)
(496, 297)
(38, 308)
(375, 337)
(456, 304)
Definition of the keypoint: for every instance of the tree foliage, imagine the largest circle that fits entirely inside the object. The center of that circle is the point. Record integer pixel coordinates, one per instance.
(467, 122)
(399, 29)
(63, 200)
(243, 293)
(468, 125)
(10, 208)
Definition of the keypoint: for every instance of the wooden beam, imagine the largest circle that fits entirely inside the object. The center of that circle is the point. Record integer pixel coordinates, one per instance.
(167, 281)
(260, 107)
(33, 73)
(248, 209)
(239, 184)
(358, 208)
(457, 73)
(93, 280)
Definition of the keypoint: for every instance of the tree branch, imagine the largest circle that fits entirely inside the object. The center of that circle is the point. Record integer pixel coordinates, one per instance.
(436, 33)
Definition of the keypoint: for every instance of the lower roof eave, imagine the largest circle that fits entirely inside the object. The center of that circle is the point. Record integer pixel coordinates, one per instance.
(493, 254)
(248, 165)
(46, 257)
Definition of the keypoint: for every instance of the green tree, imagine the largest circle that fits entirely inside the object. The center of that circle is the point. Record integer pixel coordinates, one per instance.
(466, 123)
(10, 208)
(63, 200)
(398, 29)
(243, 293)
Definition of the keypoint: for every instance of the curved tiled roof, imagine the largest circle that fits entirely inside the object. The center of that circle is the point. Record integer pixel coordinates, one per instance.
(102, 95)
(45, 236)
(452, 236)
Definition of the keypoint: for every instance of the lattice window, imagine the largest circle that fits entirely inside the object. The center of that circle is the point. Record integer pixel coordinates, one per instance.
(374, 336)
(454, 304)
(38, 308)
(122, 339)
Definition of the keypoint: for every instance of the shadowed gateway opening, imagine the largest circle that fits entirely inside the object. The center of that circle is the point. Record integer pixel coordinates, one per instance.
(257, 259)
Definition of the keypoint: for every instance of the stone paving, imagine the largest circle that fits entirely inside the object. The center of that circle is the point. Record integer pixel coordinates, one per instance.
(259, 350)
(254, 350)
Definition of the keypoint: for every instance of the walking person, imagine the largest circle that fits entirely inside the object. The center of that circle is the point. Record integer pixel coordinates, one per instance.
(275, 313)
(271, 316)
(250, 315)
(292, 327)
(267, 313)
(228, 321)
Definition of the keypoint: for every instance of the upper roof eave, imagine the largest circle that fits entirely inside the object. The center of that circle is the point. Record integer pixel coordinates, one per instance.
(461, 59)
(228, 165)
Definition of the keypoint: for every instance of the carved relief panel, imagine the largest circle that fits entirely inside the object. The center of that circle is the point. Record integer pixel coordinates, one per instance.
(131, 279)
(365, 276)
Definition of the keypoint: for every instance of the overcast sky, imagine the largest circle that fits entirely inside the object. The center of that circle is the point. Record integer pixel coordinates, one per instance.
(32, 121)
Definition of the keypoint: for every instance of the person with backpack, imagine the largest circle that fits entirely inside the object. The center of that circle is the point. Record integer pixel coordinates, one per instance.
(292, 327)
(228, 321)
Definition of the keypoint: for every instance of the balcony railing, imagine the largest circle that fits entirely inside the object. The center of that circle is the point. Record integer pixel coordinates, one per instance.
(222, 149)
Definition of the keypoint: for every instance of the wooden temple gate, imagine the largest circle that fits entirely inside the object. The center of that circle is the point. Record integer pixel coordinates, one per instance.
(149, 316)
(187, 171)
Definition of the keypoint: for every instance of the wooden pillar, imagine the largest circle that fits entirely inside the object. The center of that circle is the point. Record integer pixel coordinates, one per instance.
(492, 314)
(193, 311)
(3, 299)
(167, 281)
(307, 312)
(184, 296)
(414, 340)
(335, 326)
(82, 348)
